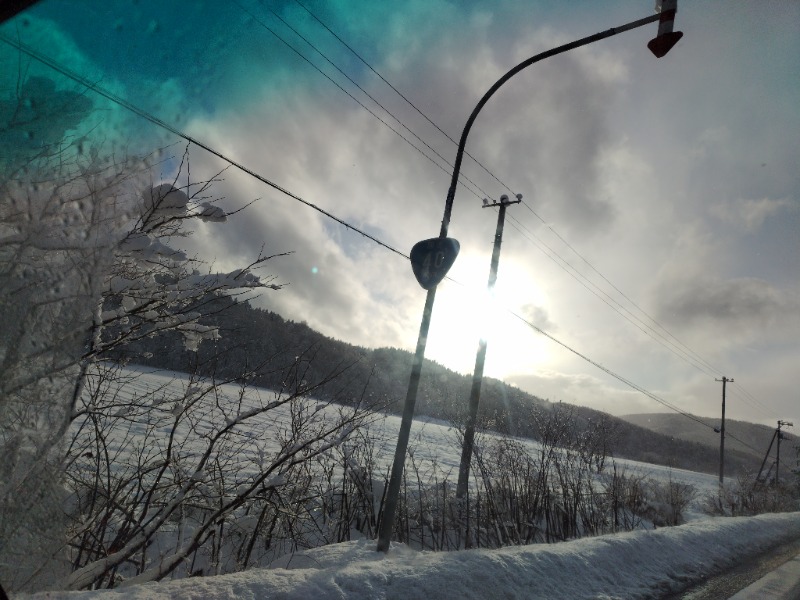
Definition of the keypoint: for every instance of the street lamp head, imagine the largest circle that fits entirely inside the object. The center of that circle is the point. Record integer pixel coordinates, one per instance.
(666, 38)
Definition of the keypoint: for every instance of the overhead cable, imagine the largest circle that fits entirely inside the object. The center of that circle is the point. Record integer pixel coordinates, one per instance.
(677, 347)
(604, 297)
(361, 104)
(399, 93)
(687, 349)
(160, 123)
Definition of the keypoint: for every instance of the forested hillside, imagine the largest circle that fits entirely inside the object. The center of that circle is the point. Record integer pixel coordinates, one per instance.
(268, 344)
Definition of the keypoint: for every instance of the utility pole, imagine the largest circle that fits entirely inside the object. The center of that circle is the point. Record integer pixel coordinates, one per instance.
(778, 448)
(766, 456)
(480, 359)
(724, 380)
(443, 252)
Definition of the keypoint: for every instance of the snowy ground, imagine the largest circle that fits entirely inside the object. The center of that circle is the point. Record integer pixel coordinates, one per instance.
(641, 564)
(433, 442)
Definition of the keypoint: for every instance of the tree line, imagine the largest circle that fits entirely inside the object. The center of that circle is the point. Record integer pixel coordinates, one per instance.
(250, 333)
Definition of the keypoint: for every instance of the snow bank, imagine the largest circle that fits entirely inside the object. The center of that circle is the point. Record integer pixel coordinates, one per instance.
(640, 564)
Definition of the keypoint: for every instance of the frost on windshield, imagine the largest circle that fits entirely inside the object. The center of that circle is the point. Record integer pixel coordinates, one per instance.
(88, 264)
(47, 277)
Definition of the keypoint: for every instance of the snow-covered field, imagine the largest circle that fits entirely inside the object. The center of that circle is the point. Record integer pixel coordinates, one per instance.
(432, 442)
(640, 564)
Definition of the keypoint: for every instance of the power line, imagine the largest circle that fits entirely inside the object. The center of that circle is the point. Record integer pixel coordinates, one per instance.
(361, 104)
(610, 372)
(174, 130)
(613, 374)
(743, 394)
(613, 304)
(677, 347)
(627, 382)
(403, 96)
(695, 356)
(606, 298)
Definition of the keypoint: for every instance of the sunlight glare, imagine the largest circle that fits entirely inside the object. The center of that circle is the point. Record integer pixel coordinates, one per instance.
(464, 313)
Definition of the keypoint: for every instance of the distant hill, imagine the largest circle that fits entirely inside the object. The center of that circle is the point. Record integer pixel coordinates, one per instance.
(748, 438)
(262, 340)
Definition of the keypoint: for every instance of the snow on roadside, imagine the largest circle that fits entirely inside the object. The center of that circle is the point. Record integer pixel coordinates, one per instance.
(639, 564)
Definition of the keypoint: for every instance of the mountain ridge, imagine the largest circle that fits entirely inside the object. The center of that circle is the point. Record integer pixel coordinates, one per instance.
(251, 336)
(751, 438)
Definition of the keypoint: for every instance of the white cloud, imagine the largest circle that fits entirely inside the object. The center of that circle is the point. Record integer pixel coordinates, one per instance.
(749, 214)
(652, 170)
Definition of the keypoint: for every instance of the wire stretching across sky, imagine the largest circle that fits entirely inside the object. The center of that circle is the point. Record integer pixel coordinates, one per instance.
(174, 130)
(629, 383)
(468, 183)
(462, 176)
(606, 298)
(656, 331)
(684, 348)
(400, 94)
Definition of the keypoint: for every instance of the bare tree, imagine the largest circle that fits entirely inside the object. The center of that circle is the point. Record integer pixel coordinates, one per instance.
(86, 266)
(206, 459)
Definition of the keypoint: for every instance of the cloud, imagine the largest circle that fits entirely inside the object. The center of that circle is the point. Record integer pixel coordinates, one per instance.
(319, 144)
(339, 282)
(585, 390)
(749, 215)
(730, 307)
(651, 170)
(538, 316)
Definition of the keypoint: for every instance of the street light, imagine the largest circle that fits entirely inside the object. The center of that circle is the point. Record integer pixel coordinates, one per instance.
(666, 38)
(443, 250)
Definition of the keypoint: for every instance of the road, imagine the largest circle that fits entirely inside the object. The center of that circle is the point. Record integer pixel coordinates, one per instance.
(739, 576)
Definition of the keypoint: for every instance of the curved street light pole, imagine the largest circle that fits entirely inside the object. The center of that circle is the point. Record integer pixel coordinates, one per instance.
(395, 479)
(451, 194)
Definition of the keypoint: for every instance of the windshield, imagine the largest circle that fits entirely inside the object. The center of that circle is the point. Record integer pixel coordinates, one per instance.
(208, 308)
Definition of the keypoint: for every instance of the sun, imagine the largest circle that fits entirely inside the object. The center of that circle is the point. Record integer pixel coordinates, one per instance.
(465, 313)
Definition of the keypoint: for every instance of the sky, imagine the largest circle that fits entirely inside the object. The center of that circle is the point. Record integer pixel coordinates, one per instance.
(660, 227)
(638, 564)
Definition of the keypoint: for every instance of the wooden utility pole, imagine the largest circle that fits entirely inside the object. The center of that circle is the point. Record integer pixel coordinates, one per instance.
(724, 380)
(480, 359)
(766, 456)
(660, 45)
(778, 448)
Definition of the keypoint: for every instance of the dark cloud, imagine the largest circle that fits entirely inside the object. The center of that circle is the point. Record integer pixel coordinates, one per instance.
(712, 303)
(543, 133)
